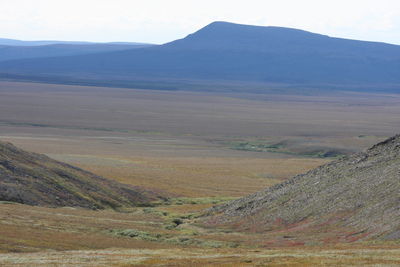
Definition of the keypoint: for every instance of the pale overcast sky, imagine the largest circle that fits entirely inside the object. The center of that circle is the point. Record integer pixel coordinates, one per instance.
(160, 21)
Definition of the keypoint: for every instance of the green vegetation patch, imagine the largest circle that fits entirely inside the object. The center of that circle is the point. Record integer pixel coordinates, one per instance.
(8, 202)
(199, 200)
(186, 241)
(170, 239)
(140, 235)
(282, 147)
(256, 146)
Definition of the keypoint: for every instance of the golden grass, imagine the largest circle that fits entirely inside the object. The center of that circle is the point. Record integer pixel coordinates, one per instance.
(202, 177)
(183, 173)
(26, 228)
(84, 237)
(207, 257)
(175, 141)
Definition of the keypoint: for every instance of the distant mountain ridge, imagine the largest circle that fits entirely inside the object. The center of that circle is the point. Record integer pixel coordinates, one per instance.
(232, 53)
(62, 49)
(14, 42)
(349, 199)
(16, 49)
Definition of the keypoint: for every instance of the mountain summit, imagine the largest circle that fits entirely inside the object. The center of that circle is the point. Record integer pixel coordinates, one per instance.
(353, 198)
(230, 36)
(227, 52)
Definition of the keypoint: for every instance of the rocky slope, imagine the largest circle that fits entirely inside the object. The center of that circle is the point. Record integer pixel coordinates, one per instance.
(349, 199)
(35, 179)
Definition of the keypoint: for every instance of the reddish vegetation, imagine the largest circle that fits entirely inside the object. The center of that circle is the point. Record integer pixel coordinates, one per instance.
(347, 200)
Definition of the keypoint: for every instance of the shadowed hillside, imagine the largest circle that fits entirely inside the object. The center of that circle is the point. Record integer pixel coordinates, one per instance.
(353, 198)
(227, 52)
(35, 179)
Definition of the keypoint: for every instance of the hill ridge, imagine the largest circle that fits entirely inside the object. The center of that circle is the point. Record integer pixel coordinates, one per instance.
(35, 179)
(360, 192)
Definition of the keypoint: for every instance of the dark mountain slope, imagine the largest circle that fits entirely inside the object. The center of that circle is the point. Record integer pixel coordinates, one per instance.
(351, 198)
(231, 52)
(35, 179)
(56, 50)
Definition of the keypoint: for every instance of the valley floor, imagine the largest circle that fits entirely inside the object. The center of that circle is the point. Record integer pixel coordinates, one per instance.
(207, 257)
(202, 149)
(36, 236)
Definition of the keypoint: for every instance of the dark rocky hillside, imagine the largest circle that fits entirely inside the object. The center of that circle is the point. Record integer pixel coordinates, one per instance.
(356, 197)
(35, 179)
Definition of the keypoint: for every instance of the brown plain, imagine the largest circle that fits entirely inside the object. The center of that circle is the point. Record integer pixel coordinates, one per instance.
(179, 142)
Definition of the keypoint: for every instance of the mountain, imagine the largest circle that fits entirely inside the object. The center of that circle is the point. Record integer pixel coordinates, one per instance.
(232, 53)
(349, 199)
(35, 179)
(13, 42)
(55, 50)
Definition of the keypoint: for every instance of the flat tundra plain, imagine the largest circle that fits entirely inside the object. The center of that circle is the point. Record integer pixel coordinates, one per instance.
(200, 148)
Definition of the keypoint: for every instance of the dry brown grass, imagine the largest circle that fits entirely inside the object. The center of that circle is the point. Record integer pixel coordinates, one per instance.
(204, 177)
(205, 257)
(192, 176)
(188, 122)
(83, 238)
(25, 228)
(178, 142)
(116, 111)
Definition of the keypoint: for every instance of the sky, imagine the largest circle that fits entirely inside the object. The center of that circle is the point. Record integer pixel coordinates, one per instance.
(161, 21)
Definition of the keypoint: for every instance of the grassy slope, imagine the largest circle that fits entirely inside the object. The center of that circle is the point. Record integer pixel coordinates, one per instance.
(36, 179)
